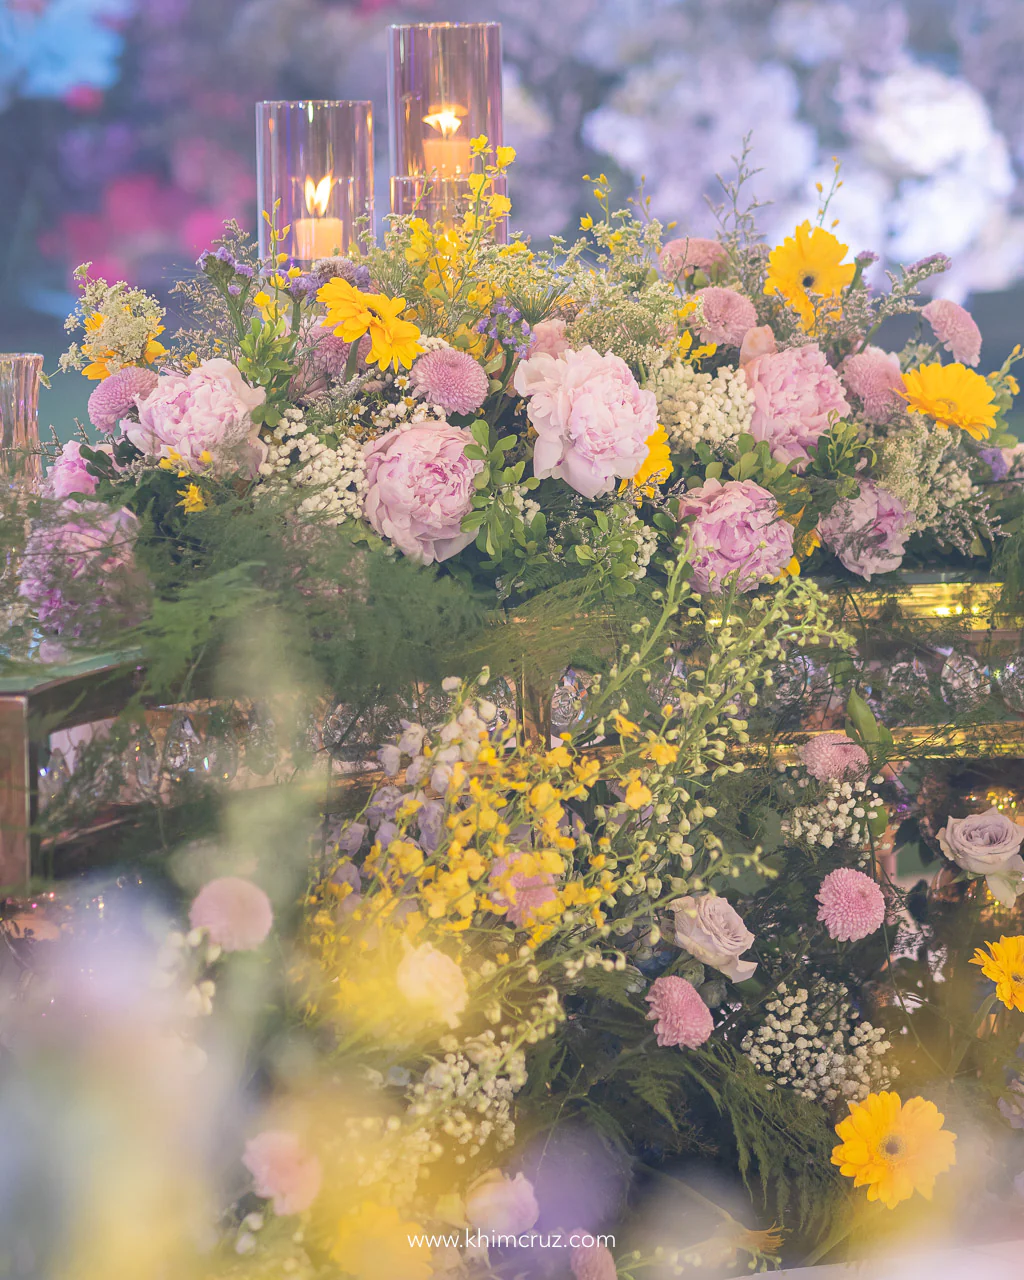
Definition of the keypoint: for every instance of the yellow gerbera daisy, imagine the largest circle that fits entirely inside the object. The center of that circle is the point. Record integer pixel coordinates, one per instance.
(655, 468)
(1005, 966)
(808, 264)
(393, 341)
(892, 1148)
(953, 395)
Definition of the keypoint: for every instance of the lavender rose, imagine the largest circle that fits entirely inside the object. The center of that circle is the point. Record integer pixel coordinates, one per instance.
(735, 528)
(713, 933)
(591, 417)
(208, 411)
(420, 487)
(795, 391)
(988, 844)
(868, 533)
(69, 472)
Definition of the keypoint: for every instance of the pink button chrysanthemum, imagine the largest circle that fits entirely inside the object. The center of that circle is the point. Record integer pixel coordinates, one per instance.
(592, 1261)
(874, 377)
(834, 755)
(451, 379)
(955, 329)
(116, 395)
(852, 905)
(727, 316)
(681, 1016)
(691, 253)
(235, 913)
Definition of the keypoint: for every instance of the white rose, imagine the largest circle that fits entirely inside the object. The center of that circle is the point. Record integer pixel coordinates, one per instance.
(500, 1205)
(434, 982)
(713, 933)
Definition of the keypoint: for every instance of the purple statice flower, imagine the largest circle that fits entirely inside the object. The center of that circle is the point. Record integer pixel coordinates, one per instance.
(77, 568)
(934, 263)
(996, 460)
(866, 258)
(243, 269)
(324, 269)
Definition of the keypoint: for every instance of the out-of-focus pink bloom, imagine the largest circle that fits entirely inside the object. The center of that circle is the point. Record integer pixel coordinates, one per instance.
(520, 892)
(69, 472)
(756, 342)
(503, 1205)
(235, 913)
(283, 1170)
(874, 377)
(728, 316)
(691, 253)
(868, 533)
(548, 338)
(834, 755)
(681, 1016)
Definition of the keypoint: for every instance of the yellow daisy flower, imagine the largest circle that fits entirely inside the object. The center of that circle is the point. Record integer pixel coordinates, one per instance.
(892, 1148)
(808, 264)
(393, 341)
(655, 468)
(1005, 966)
(953, 395)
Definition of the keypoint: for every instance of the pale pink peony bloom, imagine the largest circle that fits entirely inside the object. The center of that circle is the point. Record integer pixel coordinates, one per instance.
(451, 379)
(735, 527)
(283, 1170)
(728, 316)
(955, 328)
(834, 755)
(691, 253)
(681, 1016)
(757, 342)
(117, 395)
(591, 417)
(868, 533)
(548, 338)
(501, 1205)
(69, 475)
(711, 929)
(874, 377)
(235, 913)
(420, 485)
(519, 892)
(206, 411)
(593, 1262)
(795, 391)
(852, 905)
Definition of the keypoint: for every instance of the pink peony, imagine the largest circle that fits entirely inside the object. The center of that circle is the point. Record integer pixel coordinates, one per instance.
(689, 254)
(519, 892)
(81, 569)
(548, 338)
(592, 419)
(735, 528)
(728, 316)
(593, 1262)
(451, 379)
(235, 913)
(206, 411)
(757, 342)
(874, 377)
(117, 395)
(955, 328)
(69, 475)
(834, 755)
(283, 1170)
(681, 1016)
(495, 1203)
(868, 533)
(795, 391)
(420, 486)
(852, 905)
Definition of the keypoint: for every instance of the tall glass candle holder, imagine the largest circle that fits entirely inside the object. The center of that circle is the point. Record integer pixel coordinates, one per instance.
(314, 161)
(19, 414)
(444, 88)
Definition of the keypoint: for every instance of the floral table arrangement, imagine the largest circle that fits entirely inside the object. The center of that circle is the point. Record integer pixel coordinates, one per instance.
(515, 985)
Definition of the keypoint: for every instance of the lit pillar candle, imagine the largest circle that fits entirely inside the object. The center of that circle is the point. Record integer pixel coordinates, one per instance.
(319, 235)
(446, 150)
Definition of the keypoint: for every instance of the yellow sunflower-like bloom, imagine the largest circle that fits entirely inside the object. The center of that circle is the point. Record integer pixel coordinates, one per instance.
(892, 1148)
(808, 264)
(654, 470)
(393, 341)
(953, 395)
(1005, 966)
(348, 308)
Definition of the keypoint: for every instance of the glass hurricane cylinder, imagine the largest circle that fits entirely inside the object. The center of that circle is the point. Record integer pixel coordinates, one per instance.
(444, 89)
(314, 175)
(19, 414)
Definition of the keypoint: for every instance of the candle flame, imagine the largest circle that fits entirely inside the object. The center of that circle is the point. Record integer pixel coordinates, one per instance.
(318, 194)
(447, 120)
